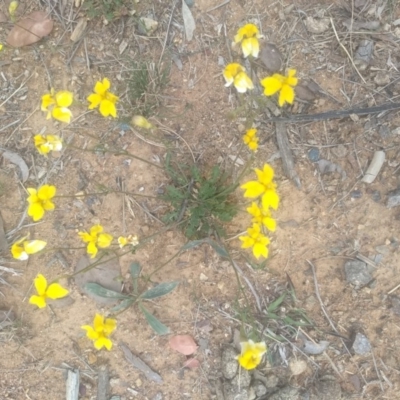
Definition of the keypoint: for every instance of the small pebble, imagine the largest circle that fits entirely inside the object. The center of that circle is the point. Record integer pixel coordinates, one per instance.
(393, 198)
(376, 196)
(361, 344)
(356, 194)
(313, 154)
(384, 131)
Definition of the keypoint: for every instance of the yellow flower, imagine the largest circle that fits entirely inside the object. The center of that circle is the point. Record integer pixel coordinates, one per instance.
(101, 331)
(263, 187)
(261, 217)
(95, 238)
(131, 239)
(40, 201)
(283, 84)
(56, 105)
(248, 35)
(141, 122)
(22, 248)
(251, 354)
(45, 144)
(1, 47)
(251, 139)
(236, 74)
(54, 291)
(256, 240)
(103, 98)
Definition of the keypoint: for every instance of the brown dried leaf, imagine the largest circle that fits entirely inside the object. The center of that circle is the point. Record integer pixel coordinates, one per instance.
(304, 93)
(30, 29)
(192, 363)
(19, 162)
(271, 57)
(184, 344)
(79, 30)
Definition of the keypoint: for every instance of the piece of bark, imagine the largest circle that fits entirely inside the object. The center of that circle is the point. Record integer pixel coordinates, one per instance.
(73, 384)
(286, 153)
(140, 365)
(103, 382)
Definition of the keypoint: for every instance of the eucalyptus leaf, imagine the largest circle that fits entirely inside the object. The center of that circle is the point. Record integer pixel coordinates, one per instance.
(154, 323)
(160, 290)
(123, 305)
(99, 290)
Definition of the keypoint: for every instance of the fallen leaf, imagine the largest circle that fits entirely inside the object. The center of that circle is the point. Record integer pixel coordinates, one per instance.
(79, 30)
(188, 21)
(19, 162)
(191, 363)
(184, 344)
(30, 29)
(310, 347)
(271, 57)
(304, 93)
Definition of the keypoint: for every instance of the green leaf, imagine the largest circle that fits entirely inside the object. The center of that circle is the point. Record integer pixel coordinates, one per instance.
(155, 324)
(160, 290)
(101, 291)
(123, 305)
(276, 303)
(135, 272)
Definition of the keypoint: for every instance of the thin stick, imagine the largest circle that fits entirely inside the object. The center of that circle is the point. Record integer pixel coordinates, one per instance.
(319, 297)
(377, 371)
(394, 289)
(345, 50)
(166, 34)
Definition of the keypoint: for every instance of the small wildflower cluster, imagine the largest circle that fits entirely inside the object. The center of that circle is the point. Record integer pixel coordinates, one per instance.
(264, 191)
(234, 73)
(251, 354)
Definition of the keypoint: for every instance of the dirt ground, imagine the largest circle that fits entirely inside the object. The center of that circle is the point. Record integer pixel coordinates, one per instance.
(332, 218)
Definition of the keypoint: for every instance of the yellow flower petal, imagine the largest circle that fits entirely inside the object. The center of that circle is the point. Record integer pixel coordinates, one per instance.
(109, 326)
(34, 246)
(37, 301)
(46, 192)
(94, 99)
(104, 240)
(64, 98)
(102, 87)
(36, 211)
(18, 252)
(98, 322)
(95, 230)
(62, 114)
(107, 108)
(90, 332)
(85, 237)
(242, 82)
(247, 242)
(270, 199)
(272, 84)
(40, 283)
(269, 223)
(103, 342)
(286, 95)
(230, 71)
(92, 249)
(122, 241)
(142, 122)
(56, 291)
(253, 189)
(260, 249)
(250, 46)
(47, 101)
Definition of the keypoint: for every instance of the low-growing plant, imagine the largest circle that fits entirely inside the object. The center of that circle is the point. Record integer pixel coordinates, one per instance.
(110, 9)
(203, 200)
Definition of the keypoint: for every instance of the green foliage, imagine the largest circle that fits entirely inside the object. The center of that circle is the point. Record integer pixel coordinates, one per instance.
(135, 297)
(111, 9)
(146, 83)
(203, 202)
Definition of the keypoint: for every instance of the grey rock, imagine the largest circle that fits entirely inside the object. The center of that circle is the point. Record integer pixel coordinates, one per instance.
(393, 198)
(286, 393)
(190, 3)
(357, 273)
(313, 154)
(232, 392)
(259, 388)
(361, 344)
(363, 54)
(229, 363)
(382, 78)
(384, 131)
(242, 379)
(376, 196)
(356, 194)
